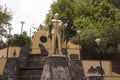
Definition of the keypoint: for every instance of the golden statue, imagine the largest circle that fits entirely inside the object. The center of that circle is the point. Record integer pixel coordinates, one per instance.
(56, 32)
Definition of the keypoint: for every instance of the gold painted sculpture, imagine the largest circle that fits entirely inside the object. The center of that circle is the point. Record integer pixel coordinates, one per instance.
(55, 31)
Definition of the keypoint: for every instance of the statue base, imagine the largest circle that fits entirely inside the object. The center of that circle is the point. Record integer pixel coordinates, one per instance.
(55, 68)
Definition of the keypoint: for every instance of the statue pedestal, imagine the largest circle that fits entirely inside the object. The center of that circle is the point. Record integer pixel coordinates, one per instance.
(55, 68)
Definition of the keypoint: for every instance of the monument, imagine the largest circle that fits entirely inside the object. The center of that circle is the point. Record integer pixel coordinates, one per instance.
(56, 27)
(56, 65)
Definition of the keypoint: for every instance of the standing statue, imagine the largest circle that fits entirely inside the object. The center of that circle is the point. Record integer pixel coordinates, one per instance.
(55, 31)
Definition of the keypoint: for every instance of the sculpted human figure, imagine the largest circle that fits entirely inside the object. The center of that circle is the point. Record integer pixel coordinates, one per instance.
(56, 26)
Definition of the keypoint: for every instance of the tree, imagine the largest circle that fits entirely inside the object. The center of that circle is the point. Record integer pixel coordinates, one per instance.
(95, 19)
(66, 10)
(5, 17)
(20, 40)
(98, 19)
(116, 3)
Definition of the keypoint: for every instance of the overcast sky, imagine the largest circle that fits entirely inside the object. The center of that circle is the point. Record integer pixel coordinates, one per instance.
(29, 11)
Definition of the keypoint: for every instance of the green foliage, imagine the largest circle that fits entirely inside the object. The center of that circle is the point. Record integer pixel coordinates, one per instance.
(2, 44)
(66, 10)
(5, 17)
(20, 40)
(95, 19)
(116, 3)
(42, 27)
(98, 20)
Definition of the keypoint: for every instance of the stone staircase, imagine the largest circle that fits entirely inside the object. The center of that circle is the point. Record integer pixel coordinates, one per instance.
(26, 67)
(30, 67)
(11, 69)
(76, 70)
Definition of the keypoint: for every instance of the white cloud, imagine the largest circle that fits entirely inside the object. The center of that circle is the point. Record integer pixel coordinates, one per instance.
(30, 11)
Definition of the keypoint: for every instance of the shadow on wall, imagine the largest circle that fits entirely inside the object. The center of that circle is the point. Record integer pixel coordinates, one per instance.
(43, 50)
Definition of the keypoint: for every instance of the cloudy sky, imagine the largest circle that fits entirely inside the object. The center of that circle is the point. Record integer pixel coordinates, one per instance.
(32, 12)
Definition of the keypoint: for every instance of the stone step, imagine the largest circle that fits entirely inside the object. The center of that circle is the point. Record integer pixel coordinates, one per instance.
(32, 68)
(76, 70)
